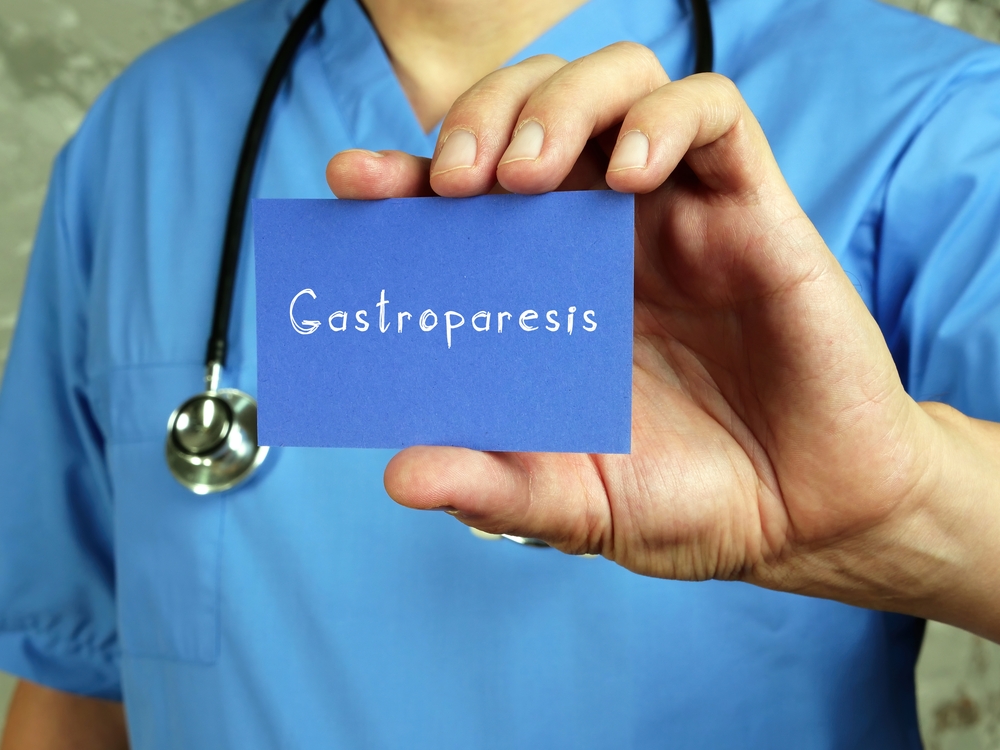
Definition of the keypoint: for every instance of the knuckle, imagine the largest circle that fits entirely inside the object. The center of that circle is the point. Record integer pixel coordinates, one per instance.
(479, 96)
(476, 107)
(729, 107)
(631, 48)
(640, 53)
(596, 531)
(545, 60)
(594, 525)
(586, 537)
(724, 85)
(497, 88)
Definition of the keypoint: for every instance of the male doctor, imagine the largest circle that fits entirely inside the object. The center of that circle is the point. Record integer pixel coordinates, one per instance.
(817, 253)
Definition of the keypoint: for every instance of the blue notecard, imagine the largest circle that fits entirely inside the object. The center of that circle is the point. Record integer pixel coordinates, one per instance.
(500, 322)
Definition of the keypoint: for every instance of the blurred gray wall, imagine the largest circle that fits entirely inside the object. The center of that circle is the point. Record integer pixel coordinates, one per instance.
(56, 55)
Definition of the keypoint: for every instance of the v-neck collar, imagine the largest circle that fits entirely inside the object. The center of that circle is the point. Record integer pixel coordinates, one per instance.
(368, 94)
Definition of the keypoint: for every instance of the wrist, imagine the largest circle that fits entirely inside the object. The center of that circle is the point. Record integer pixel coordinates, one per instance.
(954, 522)
(936, 553)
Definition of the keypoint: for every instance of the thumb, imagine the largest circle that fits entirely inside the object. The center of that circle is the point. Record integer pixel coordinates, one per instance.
(554, 497)
(372, 175)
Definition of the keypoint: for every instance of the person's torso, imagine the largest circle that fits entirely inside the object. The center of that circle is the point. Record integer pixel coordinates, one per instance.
(305, 609)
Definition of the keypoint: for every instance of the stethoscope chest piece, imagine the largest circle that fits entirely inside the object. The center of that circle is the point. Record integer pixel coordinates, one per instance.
(212, 441)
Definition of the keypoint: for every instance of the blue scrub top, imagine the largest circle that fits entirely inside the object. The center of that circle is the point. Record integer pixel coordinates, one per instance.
(305, 609)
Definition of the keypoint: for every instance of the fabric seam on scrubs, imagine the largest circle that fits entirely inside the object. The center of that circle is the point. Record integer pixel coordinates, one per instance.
(45, 626)
(979, 66)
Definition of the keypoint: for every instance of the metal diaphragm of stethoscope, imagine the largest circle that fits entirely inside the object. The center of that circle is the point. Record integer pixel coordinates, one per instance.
(212, 437)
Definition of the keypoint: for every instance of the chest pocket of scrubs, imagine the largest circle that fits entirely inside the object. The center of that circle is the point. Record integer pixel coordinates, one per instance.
(167, 539)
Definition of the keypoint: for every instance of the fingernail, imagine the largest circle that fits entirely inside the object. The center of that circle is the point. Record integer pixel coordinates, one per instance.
(527, 143)
(457, 152)
(484, 534)
(632, 152)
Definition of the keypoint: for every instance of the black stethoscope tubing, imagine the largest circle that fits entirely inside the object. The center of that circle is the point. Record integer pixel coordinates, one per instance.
(238, 201)
(231, 403)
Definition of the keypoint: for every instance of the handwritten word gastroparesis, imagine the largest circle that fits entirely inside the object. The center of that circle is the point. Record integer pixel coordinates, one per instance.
(427, 321)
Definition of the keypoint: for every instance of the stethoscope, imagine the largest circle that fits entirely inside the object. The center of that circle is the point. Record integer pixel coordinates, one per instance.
(212, 437)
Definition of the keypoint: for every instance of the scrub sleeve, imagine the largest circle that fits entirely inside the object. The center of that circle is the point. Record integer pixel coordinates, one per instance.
(937, 293)
(57, 602)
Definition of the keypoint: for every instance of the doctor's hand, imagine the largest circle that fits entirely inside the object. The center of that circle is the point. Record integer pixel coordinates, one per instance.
(772, 439)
